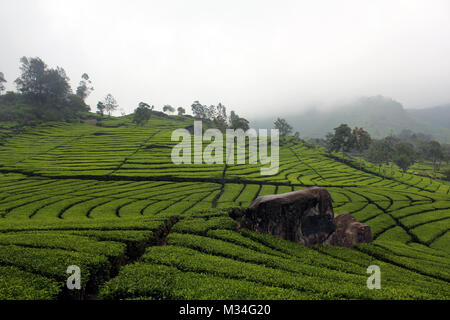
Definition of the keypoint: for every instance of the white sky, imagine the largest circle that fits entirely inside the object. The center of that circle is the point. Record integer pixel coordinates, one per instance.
(253, 56)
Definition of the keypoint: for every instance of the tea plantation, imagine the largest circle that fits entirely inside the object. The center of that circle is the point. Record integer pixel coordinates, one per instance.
(109, 199)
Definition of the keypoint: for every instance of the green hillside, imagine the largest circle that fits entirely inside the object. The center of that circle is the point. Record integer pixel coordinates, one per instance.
(109, 200)
(378, 115)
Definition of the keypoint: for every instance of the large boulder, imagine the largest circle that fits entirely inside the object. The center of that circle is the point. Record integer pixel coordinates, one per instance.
(304, 216)
(349, 232)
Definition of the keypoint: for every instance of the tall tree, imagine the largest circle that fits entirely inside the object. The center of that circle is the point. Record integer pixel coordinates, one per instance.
(101, 108)
(375, 155)
(199, 111)
(284, 128)
(220, 116)
(447, 174)
(85, 87)
(446, 152)
(381, 152)
(403, 161)
(237, 122)
(233, 117)
(240, 123)
(143, 104)
(434, 153)
(2, 82)
(110, 103)
(342, 139)
(388, 145)
(40, 84)
(57, 87)
(142, 114)
(181, 111)
(404, 155)
(168, 108)
(361, 141)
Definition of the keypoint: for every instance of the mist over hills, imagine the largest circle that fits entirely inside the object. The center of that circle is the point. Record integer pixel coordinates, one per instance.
(439, 115)
(379, 115)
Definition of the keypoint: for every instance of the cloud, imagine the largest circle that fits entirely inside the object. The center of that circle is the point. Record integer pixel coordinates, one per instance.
(253, 56)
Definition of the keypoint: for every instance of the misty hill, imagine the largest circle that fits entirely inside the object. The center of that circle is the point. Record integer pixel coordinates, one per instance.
(439, 115)
(379, 115)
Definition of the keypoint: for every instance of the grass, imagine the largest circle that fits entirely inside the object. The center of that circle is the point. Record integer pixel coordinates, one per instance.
(109, 199)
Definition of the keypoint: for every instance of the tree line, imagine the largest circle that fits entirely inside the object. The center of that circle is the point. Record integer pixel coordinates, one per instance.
(45, 94)
(403, 149)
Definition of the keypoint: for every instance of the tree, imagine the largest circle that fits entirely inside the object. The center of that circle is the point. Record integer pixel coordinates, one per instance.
(31, 82)
(342, 139)
(199, 111)
(219, 116)
(447, 174)
(361, 141)
(434, 153)
(240, 123)
(405, 155)
(237, 122)
(57, 87)
(284, 127)
(168, 108)
(143, 104)
(2, 81)
(381, 152)
(405, 148)
(403, 161)
(110, 103)
(42, 85)
(446, 152)
(233, 117)
(181, 111)
(388, 150)
(142, 114)
(375, 155)
(84, 88)
(101, 108)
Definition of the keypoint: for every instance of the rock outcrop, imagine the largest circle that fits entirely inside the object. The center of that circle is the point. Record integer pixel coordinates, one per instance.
(304, 216)
(349, 232)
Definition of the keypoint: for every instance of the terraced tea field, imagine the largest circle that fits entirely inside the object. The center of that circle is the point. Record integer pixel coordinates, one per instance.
(109, 200)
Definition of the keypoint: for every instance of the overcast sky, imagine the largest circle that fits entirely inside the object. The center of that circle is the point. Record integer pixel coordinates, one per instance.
(249, 55)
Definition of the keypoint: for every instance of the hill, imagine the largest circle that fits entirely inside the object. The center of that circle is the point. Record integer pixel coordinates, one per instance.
(109, 200)
(380, 116)
(439, 116)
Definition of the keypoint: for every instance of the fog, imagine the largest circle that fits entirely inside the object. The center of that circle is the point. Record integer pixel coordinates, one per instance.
(256, 57)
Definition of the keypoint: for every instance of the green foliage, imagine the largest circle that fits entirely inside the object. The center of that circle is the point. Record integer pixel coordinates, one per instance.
(110, 104)
(403, 161)
(102, 195)
(181, 111)
(168, 108)
(164, 282)
(40, 84)
(85, 88)
(341, 140)
(16, 284)
(284, 127)
(142, 114)
(2, 82)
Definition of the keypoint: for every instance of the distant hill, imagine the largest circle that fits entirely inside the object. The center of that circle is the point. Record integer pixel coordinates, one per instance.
(379, 115)
(439, 115)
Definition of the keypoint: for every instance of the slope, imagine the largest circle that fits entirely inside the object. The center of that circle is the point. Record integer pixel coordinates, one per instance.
(109, 200)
